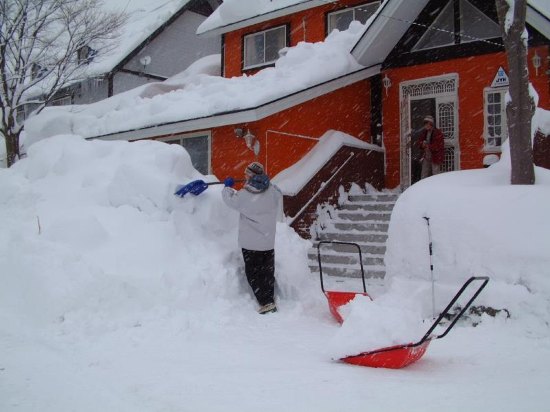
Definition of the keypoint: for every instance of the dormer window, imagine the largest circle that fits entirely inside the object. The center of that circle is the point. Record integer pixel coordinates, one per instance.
(85, 54)
(341, 19)
(262, 48)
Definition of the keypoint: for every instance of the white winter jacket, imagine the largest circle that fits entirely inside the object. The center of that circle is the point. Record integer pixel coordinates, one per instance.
(259, 213)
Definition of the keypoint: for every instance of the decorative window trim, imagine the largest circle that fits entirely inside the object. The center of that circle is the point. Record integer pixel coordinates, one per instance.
(179, 138)
(492, 148)
(347, 10)
(286, 31)
(430, 86)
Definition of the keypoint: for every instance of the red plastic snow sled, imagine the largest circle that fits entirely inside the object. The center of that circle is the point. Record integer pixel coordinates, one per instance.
(336, 299)
(399, 356)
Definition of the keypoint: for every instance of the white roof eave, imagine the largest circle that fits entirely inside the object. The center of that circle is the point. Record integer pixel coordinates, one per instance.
(538, 20)
(391, 22)
(395, 17)
(261, 18)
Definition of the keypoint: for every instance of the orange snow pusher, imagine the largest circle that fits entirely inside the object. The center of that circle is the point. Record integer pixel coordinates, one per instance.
(399, 356)
(337, 299)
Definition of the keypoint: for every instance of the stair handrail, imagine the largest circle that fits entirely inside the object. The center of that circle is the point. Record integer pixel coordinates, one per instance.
(320, 190)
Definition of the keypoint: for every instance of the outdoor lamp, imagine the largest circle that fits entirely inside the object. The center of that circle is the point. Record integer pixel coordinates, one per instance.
(251, 142)
(386, 82)
(537, 62)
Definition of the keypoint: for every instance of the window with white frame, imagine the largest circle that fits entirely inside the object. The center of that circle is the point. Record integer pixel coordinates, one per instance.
(262, 48)
(198, 147)
(62, 101)
(341, 19)
(496, 130)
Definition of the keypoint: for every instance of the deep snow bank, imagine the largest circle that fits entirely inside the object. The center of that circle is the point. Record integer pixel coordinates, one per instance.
(92, 230)
(480, 225)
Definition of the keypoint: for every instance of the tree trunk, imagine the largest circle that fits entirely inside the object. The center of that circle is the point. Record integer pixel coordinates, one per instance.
(12, 149)
(521, 107)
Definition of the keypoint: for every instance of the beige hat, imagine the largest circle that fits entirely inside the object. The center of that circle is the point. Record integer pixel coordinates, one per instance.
(429, 119)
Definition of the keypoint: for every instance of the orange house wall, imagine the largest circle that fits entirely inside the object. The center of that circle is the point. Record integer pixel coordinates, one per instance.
(308, 25)
(474, 75)
(346, 110)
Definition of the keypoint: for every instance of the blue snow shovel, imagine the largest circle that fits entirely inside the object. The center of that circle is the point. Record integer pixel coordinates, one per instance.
(196, 187)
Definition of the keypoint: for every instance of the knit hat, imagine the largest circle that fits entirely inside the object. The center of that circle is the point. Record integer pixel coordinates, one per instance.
(254, 168)
(429, 119)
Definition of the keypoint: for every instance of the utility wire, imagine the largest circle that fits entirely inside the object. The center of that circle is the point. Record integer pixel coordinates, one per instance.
(413, 23)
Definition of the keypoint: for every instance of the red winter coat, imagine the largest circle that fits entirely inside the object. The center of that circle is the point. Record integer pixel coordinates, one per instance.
(436, 145)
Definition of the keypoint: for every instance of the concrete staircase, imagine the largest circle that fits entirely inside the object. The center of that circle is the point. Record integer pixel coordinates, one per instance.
(362, 219)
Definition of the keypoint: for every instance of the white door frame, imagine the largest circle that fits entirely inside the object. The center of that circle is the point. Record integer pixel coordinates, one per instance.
(444, 89)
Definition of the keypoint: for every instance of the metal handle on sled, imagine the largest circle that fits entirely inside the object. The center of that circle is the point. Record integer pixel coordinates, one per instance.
(445, 312)
(339, 243)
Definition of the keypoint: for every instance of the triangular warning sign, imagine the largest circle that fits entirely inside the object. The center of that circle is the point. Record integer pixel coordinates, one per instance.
(501, 78)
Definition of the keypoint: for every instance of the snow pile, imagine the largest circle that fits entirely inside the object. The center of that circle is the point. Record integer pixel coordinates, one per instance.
(541, 121)
(292, 179)
(196, 93)
(375, 324)
(91, 232)
(116, 295)
(480, 225)
(232, 11)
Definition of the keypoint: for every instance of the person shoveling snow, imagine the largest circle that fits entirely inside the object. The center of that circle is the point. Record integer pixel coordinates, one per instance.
(259, 204)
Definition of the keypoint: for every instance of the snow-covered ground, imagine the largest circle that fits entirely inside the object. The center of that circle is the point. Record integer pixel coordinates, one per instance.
(118, 296)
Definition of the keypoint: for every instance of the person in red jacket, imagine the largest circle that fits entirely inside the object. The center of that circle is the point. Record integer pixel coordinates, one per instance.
(432, 143)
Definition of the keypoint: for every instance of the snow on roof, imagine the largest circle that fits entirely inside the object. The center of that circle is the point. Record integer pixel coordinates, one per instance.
(144, 17)
(198, 94)
(233, 14)
(543, 6)
(385, 27)
(394, 17)
(293, 179)
(538, 16)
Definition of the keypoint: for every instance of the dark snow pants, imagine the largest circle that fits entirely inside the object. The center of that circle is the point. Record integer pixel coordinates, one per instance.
(259, 266)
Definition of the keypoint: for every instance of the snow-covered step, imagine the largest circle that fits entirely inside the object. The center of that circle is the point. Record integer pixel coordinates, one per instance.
(347, 258)
(366, 245)
(390, 198)
(349, 271)
(367, 228)
(363, 220)
(361, 215)
(371, 206)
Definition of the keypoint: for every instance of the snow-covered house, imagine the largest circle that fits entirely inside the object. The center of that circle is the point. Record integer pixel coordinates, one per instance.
(448, 61)
(289, 80)
(158, 41)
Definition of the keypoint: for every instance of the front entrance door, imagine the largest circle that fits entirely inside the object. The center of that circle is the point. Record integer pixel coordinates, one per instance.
(431, 96)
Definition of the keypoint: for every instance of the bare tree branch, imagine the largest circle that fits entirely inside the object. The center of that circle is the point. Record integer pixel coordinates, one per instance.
(39, 45)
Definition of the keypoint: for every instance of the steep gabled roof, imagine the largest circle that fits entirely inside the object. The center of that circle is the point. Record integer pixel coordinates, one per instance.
(394, 17)
(146, 20)
(538, 16)
(388, 25)
(236, 14)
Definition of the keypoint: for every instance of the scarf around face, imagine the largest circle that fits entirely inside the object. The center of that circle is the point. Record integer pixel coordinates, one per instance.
(257, 183)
